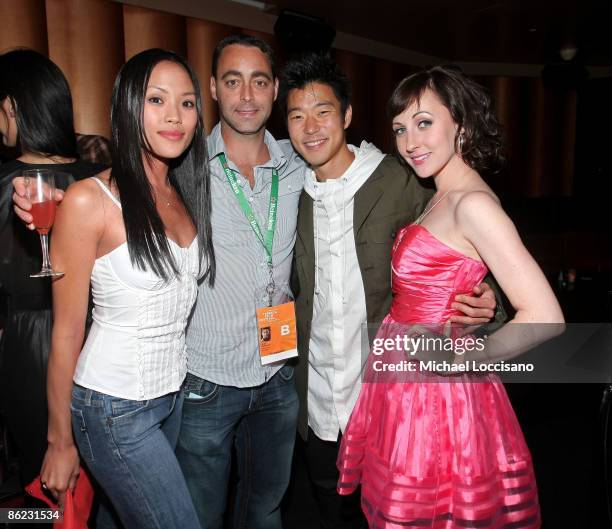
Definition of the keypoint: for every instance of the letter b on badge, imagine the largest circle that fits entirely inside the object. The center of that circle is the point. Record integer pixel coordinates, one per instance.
(277, 333)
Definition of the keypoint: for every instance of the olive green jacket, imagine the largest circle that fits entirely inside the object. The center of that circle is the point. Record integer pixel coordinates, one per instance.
(390, 199)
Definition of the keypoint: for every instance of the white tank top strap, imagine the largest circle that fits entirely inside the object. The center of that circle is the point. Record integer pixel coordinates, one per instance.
(107, 191)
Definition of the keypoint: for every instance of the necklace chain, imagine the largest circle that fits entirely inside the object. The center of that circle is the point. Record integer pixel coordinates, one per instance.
(163, 199)
(428, 208)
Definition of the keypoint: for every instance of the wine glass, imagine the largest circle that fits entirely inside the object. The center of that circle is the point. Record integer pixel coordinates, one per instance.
(40, 188)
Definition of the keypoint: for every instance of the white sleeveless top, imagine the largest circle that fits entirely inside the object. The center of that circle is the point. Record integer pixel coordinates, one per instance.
(136, 346)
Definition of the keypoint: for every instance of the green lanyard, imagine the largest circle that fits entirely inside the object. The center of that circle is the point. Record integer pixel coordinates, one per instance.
(248, 211)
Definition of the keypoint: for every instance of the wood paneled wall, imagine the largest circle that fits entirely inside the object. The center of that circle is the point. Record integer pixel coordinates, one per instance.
(145, 28)
(23, 23)
(539, 128)
(90, 40)
(86, 42)
(202, 37)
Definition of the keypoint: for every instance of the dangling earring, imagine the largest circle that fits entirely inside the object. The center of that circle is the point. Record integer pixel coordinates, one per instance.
(460, 141)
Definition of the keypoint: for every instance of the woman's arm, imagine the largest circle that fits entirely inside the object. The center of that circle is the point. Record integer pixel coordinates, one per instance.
(485, 225)
(77, 231)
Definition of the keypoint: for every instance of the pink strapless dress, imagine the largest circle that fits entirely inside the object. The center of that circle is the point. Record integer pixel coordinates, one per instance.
(435, 452)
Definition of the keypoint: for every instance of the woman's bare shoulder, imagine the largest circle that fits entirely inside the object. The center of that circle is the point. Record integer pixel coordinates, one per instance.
(477, 202)
(86, 196)
(88, 187)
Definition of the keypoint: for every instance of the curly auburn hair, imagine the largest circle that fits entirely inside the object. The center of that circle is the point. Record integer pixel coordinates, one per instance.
(469, 105)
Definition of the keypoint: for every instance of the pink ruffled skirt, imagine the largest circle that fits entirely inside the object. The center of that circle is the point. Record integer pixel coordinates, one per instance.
(439, 453)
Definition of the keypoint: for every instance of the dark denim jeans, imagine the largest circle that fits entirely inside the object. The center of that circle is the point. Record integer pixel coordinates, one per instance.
(261, 423)
(129, 446)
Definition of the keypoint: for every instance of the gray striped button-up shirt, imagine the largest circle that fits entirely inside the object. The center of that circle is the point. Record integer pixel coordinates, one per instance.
(222, 340)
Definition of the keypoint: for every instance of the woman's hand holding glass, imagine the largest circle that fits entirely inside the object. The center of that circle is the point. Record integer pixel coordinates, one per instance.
(23, 205)
(40, 191)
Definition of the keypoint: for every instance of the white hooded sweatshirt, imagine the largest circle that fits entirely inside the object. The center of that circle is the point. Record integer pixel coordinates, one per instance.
(339, 307)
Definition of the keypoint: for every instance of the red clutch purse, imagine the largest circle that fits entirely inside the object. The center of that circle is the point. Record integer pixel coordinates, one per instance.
(77, 506)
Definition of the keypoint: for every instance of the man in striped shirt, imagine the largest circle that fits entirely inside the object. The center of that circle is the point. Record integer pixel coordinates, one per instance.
(231, 399)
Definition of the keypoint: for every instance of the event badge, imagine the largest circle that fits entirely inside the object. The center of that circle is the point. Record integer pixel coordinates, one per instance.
(276, 332)
(276, 319)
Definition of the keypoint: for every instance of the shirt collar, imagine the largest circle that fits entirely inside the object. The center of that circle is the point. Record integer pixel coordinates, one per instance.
(216, 146)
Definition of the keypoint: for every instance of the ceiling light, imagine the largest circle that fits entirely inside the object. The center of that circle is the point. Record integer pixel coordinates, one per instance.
(568, 53)
(252, 3)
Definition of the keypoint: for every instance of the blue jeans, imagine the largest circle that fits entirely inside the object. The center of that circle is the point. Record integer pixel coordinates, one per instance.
(129, 446)
(261, 423)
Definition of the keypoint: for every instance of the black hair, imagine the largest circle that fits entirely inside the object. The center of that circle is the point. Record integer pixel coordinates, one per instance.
(470, 107)
(243, 40)
(315, 68)
(40, 97)
(189, 174)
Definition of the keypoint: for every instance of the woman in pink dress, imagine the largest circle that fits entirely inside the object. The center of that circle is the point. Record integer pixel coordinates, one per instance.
(433, 451)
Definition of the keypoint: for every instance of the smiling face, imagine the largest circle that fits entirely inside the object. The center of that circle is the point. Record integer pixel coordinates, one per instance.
(244, 88)
(425, 135)
(169, 111)
(317, 127)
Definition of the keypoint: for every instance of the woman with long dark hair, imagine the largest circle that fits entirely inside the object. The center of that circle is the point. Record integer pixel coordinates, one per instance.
(35, 119)
(140, 234)
(435, 451)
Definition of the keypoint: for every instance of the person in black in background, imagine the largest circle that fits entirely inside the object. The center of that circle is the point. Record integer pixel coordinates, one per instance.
(35, 117)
